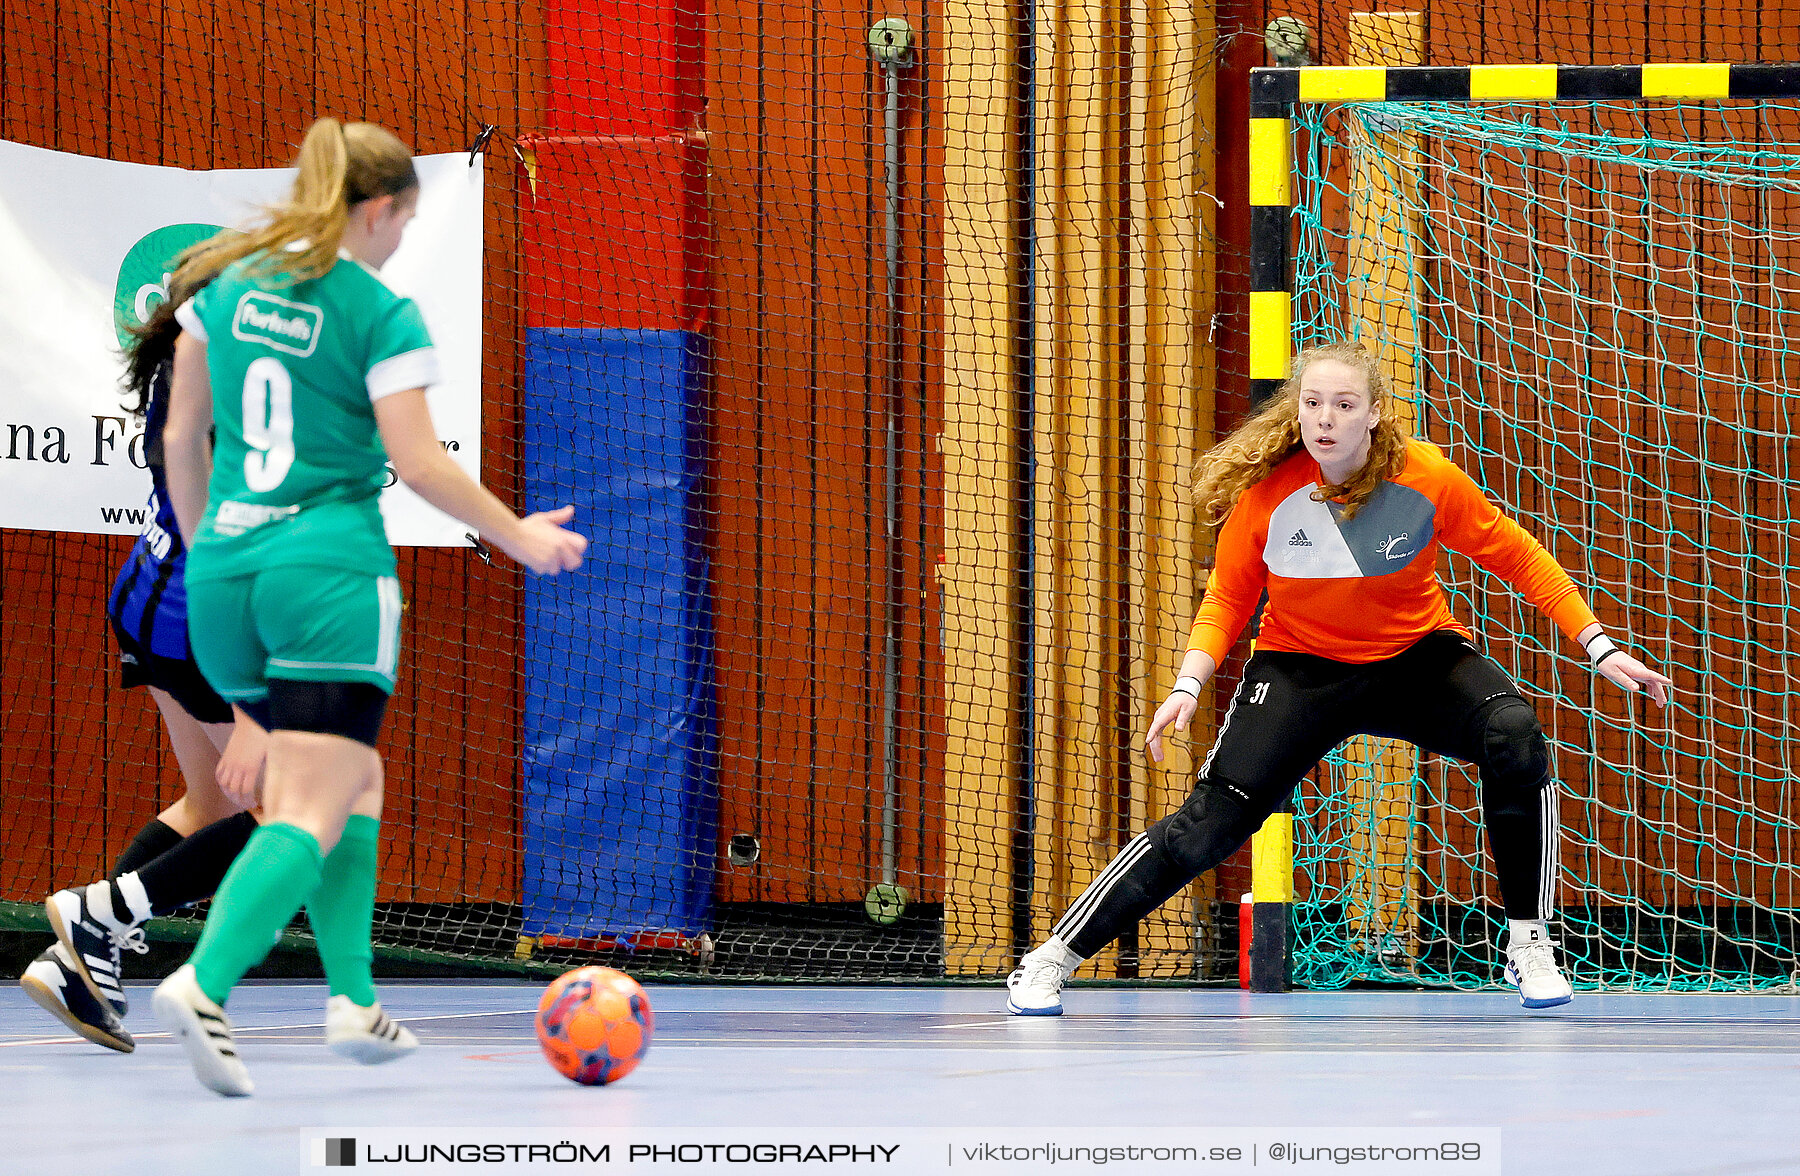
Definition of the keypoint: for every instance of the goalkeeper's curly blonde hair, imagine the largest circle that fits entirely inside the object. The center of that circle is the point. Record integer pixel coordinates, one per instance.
(1273, 435)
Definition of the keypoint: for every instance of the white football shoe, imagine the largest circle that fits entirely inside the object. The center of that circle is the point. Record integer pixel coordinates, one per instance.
(204, 1031)
(366, 1035)
(1531, 968)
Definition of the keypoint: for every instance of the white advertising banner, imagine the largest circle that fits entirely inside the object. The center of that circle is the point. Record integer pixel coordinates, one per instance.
(85, 244)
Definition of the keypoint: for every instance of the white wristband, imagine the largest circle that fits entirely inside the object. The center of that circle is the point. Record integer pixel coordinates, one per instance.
(1187, 684)
(1600, 647)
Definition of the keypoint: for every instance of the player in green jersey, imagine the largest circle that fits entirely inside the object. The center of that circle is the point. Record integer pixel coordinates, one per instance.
(313, 373)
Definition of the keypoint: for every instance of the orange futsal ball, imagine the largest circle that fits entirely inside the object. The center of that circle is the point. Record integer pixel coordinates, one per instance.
(594, 1024)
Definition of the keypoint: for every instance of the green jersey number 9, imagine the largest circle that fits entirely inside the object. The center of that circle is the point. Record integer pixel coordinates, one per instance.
(268, 424)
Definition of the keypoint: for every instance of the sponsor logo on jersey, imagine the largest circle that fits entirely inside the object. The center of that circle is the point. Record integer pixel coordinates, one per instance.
(234, 518)
(1300, 540)
(1396, 547)
(155, 538)
(292, 327)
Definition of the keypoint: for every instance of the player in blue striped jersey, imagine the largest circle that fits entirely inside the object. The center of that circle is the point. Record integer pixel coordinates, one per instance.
(181, 854)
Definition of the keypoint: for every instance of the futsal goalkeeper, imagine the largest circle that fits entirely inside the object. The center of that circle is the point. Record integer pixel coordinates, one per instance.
(314, 374)
(1333, 510)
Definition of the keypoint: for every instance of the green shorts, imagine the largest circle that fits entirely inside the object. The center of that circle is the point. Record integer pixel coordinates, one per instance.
(308, 624)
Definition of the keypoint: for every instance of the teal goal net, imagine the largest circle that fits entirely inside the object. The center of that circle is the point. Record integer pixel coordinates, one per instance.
(1598, 305)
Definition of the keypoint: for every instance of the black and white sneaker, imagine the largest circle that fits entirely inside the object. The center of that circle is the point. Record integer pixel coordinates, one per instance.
(59, 990)
(366, 1035)
(92, 938)
(204, 1031)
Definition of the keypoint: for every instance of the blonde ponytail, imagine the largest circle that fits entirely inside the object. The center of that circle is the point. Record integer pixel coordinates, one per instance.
(1272, 436)
(339, 166)
(317, 212)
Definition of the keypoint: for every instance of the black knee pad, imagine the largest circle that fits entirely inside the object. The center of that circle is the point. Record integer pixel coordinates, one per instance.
(1207, 828)
(1512, 741)
(351, 709)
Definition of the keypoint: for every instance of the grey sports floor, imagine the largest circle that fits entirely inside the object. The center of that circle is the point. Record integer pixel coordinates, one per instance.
(838, 1076)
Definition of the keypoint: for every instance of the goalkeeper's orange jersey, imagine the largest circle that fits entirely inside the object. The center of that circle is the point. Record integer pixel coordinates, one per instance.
(1366, 589)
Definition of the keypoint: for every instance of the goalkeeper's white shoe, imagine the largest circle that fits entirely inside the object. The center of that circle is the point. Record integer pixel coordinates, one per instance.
(366, 1035)
(1531, 967)
(204, 1031)
(1035, 987)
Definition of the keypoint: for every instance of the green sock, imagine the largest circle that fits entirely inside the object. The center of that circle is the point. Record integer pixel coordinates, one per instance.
(343, 908)
(273, 876)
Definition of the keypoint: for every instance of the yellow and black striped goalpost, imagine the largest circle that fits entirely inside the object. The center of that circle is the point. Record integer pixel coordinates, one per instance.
(1273, 94)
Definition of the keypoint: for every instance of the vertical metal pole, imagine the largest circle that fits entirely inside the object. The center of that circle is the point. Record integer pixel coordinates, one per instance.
(890, 648)
(1024, 864)
(891, 41)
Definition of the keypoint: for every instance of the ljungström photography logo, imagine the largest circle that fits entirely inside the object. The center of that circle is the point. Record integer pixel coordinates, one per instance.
(334, 1153)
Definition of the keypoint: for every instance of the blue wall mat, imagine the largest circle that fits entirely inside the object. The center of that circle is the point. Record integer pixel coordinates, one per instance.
(621, 788)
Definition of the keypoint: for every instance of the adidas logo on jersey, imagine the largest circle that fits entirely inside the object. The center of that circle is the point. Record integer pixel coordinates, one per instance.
(1299, 540)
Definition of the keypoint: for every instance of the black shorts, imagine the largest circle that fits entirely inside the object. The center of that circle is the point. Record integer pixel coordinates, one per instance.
(1292, 708)
(181, 678)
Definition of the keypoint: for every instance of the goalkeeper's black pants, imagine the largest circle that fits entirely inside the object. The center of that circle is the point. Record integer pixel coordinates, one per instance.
(1292, 708)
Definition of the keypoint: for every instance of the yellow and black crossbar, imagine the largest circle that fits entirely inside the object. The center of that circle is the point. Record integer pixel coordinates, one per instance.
(1274, 92)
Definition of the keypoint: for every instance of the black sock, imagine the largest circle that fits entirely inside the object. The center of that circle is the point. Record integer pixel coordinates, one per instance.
(193, 870)
(151, 842)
